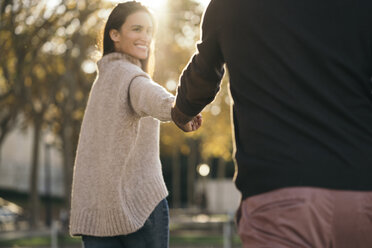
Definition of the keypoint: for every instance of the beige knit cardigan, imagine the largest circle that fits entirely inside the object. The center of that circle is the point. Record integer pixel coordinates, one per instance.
(117, 179)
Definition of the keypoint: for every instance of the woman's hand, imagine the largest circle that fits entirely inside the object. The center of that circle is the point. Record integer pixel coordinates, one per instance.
(194, 124)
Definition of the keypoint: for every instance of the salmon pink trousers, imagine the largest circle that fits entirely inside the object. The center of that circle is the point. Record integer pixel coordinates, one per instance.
(306, 217)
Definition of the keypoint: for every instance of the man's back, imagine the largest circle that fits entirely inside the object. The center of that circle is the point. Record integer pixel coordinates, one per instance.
(301, 81)
(300, 77)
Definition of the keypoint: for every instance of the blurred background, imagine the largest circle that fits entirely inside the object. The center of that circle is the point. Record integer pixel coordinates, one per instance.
(48, 54)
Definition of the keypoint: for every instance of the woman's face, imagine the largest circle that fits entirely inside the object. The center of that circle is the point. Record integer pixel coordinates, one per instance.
(135, 35)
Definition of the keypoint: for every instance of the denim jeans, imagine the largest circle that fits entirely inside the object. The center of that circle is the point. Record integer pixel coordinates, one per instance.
(154, 233)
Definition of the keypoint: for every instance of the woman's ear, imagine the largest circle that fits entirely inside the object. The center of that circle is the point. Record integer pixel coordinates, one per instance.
(114, 35)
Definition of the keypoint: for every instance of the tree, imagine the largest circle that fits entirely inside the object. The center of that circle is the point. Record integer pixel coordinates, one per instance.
(177, 35)
(35, 38)
(177, 32)
(22, 73)
(73, 91)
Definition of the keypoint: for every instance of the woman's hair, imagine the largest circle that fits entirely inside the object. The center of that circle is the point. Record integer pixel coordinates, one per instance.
(116, 19)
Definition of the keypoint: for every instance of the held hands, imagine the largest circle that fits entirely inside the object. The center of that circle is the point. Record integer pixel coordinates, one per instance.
(184, 122)
(194, 124)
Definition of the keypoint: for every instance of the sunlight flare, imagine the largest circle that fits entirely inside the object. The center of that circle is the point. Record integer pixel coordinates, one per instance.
(155, 5)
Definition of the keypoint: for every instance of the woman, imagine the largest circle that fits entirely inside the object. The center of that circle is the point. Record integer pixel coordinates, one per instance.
(118, 196)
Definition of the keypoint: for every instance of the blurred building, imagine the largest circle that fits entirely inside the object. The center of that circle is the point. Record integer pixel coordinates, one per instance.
(219, 195)
(15, 164)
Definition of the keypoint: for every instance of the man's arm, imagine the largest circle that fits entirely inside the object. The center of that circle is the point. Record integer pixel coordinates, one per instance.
(201, 79)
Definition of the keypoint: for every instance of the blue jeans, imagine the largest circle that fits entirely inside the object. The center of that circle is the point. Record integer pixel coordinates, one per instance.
(154, 233)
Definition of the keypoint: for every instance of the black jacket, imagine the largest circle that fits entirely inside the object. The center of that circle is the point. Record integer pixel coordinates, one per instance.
(300, 77)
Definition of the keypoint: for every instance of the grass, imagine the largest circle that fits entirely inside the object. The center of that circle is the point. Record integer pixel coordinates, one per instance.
(187, 240)
(39, 241)
(201, 240)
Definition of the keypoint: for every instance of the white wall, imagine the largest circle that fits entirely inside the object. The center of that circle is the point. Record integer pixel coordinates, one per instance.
(222, 196)
(15, 164)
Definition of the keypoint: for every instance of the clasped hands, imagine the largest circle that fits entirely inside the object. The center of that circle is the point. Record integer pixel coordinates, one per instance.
(184, 122)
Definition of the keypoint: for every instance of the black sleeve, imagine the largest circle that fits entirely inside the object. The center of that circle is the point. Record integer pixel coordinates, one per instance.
(200, 81)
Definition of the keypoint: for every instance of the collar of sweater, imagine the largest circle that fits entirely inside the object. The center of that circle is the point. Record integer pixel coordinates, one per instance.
(117, 56)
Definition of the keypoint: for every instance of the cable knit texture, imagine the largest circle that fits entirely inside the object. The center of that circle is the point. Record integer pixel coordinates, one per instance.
(117, 179)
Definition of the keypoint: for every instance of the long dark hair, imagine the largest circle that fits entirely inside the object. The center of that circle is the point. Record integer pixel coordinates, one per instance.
(116, 19)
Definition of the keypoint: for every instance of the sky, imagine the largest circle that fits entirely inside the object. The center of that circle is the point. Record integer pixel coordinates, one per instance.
(154, 4)
(158, 4)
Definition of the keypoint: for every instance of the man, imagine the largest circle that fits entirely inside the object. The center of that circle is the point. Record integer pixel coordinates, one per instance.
(300, 77)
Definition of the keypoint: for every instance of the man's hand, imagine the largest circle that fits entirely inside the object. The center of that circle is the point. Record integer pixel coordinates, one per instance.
(184, 122)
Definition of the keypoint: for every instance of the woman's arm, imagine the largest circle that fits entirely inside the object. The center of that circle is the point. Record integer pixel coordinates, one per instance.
(148, 98)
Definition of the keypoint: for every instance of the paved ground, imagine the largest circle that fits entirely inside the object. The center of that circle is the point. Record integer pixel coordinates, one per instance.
(169, 247)
(81, 247)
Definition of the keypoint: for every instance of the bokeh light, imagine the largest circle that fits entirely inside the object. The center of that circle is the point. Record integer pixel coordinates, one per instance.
(204, 170)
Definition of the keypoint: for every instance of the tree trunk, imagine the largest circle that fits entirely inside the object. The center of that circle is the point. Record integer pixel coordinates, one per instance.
(68, 133)
(1, 153)
(68, 161)
(191, 171)
(34, 200)
(67, 138)
(221, 168)
(176, 178)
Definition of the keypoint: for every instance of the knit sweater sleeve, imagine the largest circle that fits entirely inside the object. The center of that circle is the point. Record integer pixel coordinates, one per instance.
(148, 98)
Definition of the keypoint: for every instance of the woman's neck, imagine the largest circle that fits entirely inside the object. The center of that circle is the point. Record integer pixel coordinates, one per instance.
(119, 56)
